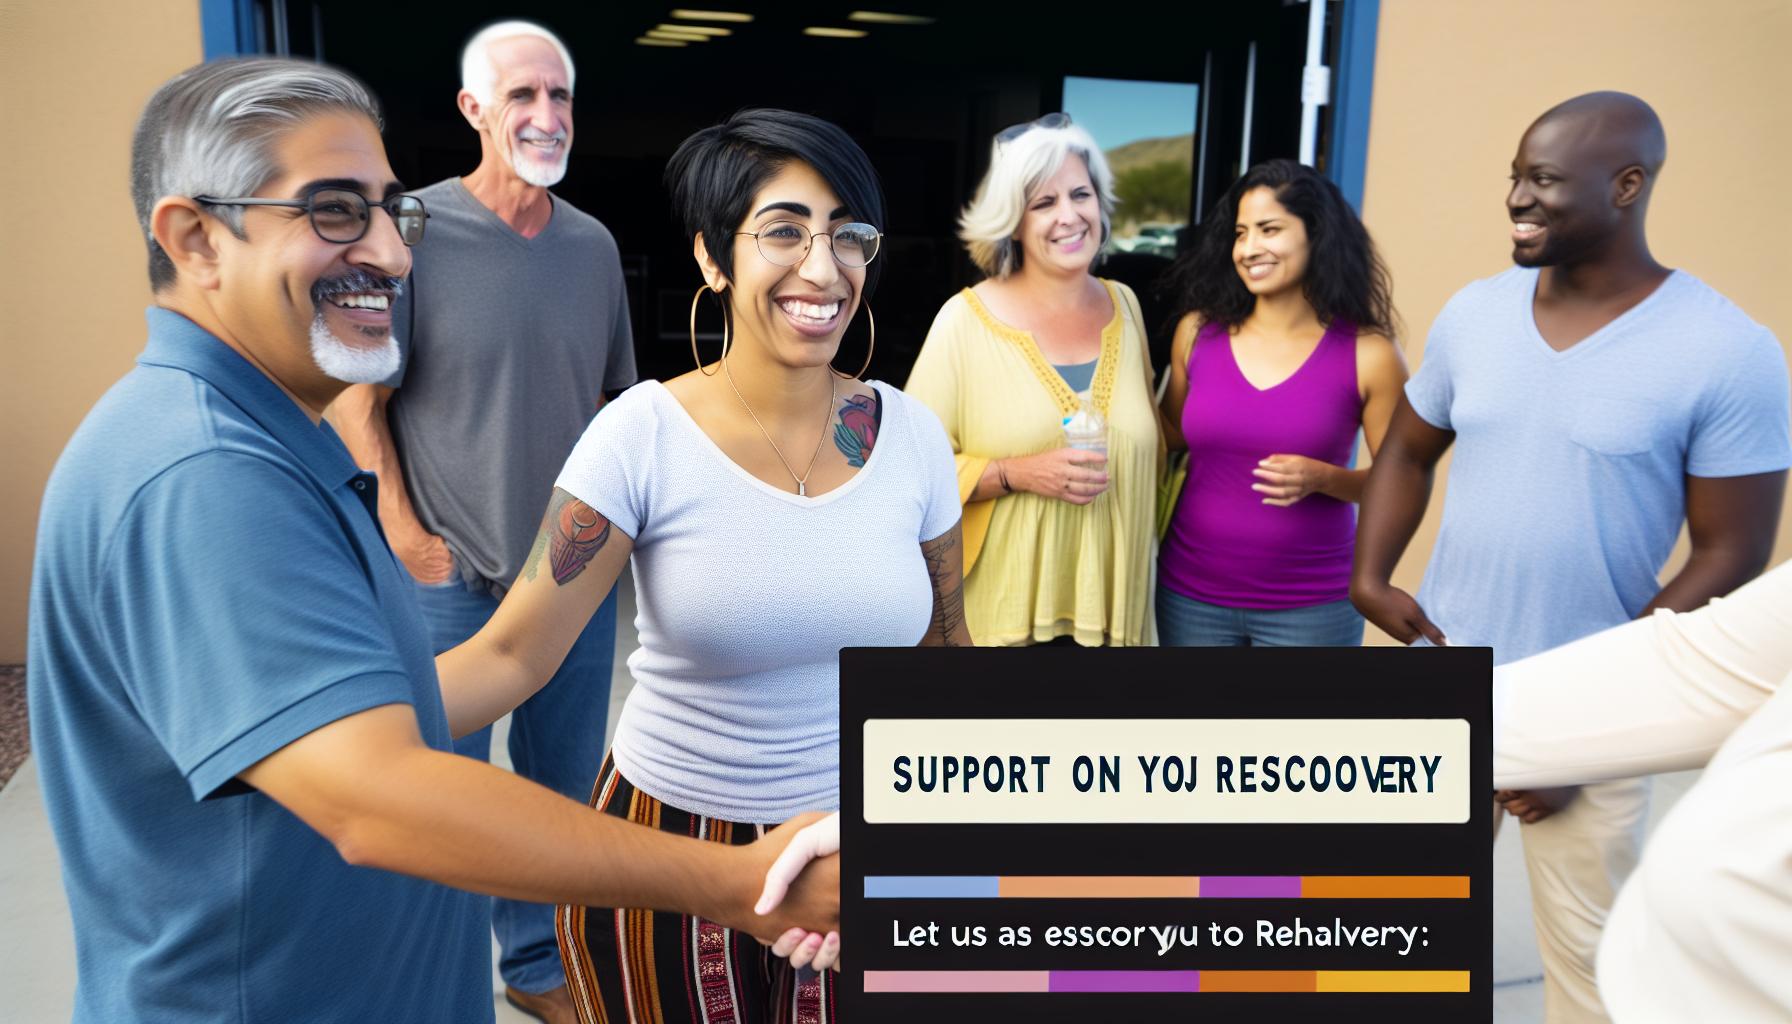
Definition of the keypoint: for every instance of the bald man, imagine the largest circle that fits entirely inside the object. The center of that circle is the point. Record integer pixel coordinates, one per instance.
(1596, 400)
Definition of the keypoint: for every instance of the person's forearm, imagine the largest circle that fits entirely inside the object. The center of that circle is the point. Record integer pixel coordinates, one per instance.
(469, 825)
(990, 484)
(1658, 694)
(481, 684)
(1394, 497)
(1708, 573)
(359, 416)
(1344, 484)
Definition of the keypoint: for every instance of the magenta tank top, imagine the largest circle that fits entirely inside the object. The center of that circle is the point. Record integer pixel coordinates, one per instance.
(1225, 546)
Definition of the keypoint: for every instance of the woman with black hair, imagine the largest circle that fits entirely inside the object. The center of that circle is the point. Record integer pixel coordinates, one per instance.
(767, 501)
(1282, 355)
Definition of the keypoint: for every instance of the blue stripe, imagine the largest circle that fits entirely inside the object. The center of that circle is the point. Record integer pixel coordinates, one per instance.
(932, 887)
(227, 27)
(1349, 157)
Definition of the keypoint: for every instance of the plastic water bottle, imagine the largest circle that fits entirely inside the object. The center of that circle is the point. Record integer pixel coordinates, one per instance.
(1086, 430)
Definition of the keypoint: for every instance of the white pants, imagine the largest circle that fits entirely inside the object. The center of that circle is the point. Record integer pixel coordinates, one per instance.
(1704, 930)
(1577, 858)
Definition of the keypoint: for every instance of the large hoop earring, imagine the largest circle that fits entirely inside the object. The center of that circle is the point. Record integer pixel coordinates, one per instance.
(871, 321)
(694, 300)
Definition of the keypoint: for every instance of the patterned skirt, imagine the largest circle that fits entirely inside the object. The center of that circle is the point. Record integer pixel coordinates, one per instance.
(631, 966)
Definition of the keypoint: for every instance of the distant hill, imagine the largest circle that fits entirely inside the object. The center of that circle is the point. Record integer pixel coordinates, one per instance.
(1177, 149)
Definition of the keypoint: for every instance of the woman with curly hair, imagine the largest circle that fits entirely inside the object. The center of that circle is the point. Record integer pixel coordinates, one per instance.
(1281, 356)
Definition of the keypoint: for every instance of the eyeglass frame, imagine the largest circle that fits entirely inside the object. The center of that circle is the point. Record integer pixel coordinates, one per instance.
(310, 215)
(810, 244)
(1055, 119)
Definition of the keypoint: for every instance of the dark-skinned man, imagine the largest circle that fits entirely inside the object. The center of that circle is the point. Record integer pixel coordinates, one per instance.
(244, 739)
(1596, 400)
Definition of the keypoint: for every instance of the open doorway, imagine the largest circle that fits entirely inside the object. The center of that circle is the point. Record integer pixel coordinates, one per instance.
(922, 88)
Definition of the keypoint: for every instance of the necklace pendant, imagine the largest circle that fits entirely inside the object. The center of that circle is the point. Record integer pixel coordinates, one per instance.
(802, 489)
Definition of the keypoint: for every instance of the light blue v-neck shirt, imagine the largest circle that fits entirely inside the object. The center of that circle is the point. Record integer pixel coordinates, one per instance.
(1567, 488)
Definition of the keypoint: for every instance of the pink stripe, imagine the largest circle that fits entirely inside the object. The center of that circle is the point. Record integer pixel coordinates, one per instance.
(958, 981)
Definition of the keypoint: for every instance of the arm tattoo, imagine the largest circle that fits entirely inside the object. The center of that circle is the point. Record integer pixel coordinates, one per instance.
(948, 587)
(855, 432)
(571, 535)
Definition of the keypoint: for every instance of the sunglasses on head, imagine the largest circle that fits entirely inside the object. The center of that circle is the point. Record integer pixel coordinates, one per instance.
(1012, 132)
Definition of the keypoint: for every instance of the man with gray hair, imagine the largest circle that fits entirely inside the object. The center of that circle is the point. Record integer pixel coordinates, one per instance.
(243, 737)
(514, 328)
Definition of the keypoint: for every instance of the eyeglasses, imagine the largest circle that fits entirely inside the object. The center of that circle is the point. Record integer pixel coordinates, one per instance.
(785, 243)
(342, 215)
(1015, 131)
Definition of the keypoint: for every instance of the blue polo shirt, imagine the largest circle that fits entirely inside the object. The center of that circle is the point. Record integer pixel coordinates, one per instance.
(211, 584)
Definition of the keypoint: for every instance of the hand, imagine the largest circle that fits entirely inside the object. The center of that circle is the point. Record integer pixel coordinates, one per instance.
(1067, 474)
(424, 554)
(805, 948)
(801, 946)
(1533, 805)
(1395, 612)
(1285, 479)
(812, 898)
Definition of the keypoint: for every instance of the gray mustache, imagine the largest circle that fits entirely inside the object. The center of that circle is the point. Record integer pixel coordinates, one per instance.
(356, 281)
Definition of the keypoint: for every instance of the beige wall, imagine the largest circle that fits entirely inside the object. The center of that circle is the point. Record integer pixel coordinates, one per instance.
(73, 75)
(1457, 82)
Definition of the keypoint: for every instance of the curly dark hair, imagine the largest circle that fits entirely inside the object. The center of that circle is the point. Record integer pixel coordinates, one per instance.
(1345, 277)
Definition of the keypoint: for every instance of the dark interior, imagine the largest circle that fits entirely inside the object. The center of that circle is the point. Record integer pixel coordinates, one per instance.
(923, 100)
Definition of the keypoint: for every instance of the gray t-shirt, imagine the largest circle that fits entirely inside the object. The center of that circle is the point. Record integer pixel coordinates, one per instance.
(1568, 483)
(509, 344)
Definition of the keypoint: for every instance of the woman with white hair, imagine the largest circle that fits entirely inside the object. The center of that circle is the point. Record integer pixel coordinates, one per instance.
(1041, 351)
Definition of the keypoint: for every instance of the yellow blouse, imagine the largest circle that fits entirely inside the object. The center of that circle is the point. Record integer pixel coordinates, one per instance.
(1038, 568)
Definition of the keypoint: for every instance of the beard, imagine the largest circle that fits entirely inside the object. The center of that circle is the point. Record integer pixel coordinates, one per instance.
(351, 363)
(537, 172)
(376, 357)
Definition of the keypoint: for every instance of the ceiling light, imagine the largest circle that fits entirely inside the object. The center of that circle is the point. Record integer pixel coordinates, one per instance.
(701, 30)
(644, 41)
(886, 18)
(688, 37)
(686, 15)
(835, 33)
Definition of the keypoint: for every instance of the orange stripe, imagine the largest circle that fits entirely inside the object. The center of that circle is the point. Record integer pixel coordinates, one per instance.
(569, 926)
(1384, 887)
(1098, 887)
(1258, 981)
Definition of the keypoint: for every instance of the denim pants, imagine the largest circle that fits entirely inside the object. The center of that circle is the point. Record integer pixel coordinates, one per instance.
(1186, 622)
(556, 739)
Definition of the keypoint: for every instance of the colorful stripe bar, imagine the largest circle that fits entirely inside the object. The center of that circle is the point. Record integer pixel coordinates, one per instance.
(1171, 887)
(1059, 982)
(1384, 887)
(932, 887)
(958, 981)
(1391, 981)
(1250, 887)
(1098, 887)
(1125, 981)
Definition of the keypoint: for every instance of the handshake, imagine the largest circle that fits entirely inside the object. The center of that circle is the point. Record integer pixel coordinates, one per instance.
(807, 892)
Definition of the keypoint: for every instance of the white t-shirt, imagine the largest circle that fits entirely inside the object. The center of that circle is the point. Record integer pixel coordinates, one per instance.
(746, 595)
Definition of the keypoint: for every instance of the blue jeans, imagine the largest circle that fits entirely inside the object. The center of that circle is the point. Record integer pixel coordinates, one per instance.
(1186, 622)
(556, 739)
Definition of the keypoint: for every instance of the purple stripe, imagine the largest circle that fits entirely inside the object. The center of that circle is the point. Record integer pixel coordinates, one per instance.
(1126, 981)
(1250, 887)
